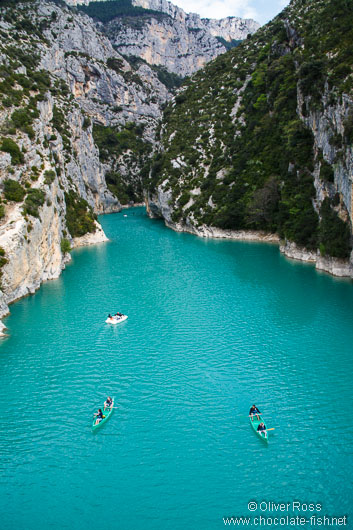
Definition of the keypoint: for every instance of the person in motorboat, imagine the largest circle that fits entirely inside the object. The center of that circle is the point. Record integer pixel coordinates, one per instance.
(110, 316)
(99, 416)
(254, 411)
(262, 428)
(118, 315)
(108, 403)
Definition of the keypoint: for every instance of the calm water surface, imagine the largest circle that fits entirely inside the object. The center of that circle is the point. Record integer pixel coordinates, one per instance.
(213, 327)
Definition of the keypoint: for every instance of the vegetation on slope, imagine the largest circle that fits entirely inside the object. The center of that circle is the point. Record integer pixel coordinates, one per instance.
(3, 262)
(80, 218)
(233, 43)
(13, 190)
(236, 153)
(169, 79)
(123, 144)
(106, 11)
(23, 85)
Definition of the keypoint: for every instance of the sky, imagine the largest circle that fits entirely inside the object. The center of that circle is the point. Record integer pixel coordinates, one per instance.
(260, 10)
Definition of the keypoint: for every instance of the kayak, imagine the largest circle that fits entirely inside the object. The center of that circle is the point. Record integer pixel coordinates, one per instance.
(116, 320)
(106, 413)
(255, 423)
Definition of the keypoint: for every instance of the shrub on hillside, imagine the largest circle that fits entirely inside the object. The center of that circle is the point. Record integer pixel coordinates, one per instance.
(49, 176)
(13, 190)
(34, 200)
(65, 246)
(79, 215)
(9, 146)
(326, 171)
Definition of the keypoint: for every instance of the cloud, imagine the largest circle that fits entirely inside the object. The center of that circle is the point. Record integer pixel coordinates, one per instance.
(260, 10)
(219, 8)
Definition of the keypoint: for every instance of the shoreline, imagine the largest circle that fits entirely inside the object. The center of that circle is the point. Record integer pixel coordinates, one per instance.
(128, 206)
(86, 240)
(333, 266)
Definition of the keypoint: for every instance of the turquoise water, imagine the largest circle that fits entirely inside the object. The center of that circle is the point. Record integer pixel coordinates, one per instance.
(213, 327)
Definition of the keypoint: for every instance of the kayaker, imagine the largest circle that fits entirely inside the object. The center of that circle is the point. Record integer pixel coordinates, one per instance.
(108, 403)
(99, 416)
(254, 411)
(262, 428)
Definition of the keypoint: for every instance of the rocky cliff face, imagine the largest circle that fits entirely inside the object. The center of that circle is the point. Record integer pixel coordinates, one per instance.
(229, 28)
(327, 125)
(166, 36)
(166, 43)
(182, 43)
(101, 81)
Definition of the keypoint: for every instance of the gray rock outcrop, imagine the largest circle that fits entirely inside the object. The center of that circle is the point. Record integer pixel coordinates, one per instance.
(178, 41)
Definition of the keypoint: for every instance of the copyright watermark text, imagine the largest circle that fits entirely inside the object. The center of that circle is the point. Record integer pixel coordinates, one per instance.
(288, 514)
(294, 506)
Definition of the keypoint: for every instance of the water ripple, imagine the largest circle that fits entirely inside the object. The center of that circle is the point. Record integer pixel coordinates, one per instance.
(213, 327)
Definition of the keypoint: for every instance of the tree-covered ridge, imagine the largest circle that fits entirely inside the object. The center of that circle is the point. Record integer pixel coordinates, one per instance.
(106, 11)
(237, 152)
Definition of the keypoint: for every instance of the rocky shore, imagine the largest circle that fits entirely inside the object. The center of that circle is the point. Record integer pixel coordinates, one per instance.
(333, 266)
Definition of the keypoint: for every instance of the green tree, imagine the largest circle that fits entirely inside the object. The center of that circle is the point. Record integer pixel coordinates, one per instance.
(334, 234)
(65, 246)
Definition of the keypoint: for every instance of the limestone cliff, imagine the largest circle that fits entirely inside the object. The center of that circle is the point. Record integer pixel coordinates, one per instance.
(166, 36)
(185, 42)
